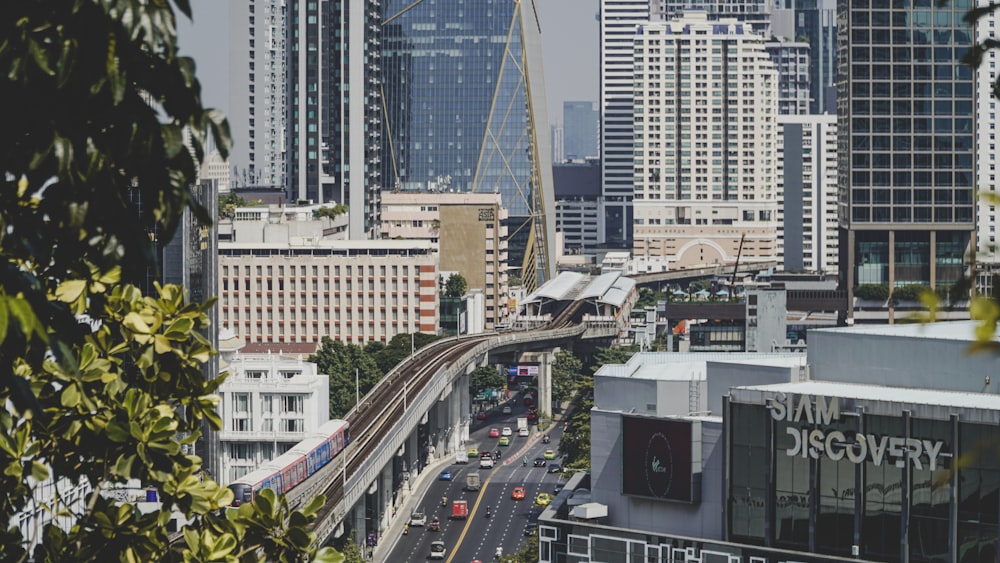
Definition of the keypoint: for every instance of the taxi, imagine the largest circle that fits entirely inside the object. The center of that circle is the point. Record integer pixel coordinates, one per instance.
(473, 452)
(549, 454)
(518, 493)
(543, 499)
(505, 441)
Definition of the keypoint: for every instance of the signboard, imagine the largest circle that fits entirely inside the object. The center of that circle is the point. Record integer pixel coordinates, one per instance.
(658, 461)
(523, 370)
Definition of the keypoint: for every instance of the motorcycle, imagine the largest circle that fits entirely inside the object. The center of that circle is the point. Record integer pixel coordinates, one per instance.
(406, 529)
(487, 512)
(435, 525)
(444, 501)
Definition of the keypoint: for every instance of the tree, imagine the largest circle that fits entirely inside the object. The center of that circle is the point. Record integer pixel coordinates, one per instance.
(228, 204)
(613, 355)
(351, 371)
(456, 286)
(399, 349)
(103, 133)
(527, 554)
(566, 371)
(647, 298)
(332, 212)
(485, 377)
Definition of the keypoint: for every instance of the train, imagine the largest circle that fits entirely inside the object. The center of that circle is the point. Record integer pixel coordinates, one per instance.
(291, 468)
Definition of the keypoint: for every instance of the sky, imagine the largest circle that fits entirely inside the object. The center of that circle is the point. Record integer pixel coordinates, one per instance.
(569, 46)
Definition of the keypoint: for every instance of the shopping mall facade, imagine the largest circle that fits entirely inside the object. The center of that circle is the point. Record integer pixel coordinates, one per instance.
(880, 444)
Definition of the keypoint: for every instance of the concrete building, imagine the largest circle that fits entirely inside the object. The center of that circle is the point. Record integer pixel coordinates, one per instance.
(558, 142)
(815, 23)
(791, 60)
(846, 453)
(755, 13)
(292, 288)
(986, 148)
(469, 230)
(706, 151)
(581, 123)
(808, 237)
(578, 205)
(269, 404)
(618, 22)
(906, 111)
(216, 168)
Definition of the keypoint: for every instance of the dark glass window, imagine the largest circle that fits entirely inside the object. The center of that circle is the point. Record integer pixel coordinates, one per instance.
(881, 509)
(792, 491)
(750, 458)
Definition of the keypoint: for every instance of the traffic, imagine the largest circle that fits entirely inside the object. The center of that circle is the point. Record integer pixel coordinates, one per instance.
(489, 503)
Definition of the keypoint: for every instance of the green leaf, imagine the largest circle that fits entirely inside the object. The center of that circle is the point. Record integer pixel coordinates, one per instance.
(39, 471)
(39, 56)
(317, 502)
(4, 319)
(133, 321)
(70, 396)
(117, 432)
(71, 290)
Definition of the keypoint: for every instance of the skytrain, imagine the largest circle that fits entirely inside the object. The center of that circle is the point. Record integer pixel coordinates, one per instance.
(291, 468)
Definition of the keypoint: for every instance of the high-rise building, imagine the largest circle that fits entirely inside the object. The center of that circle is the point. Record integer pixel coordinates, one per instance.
(756, 13)
(578, 191)
(618, 22)
(986, 146)
(808, 239)
(581, 121)
(814, 22)
(465, 111)
(557, 132)
(906, 143)
(791, 60)
(706, 146)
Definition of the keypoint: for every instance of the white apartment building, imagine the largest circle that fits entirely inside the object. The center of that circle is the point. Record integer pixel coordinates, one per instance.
(808, 238)
(216, 168)
(706, 149)
(986, 142)
(269, 404)
(301, 289)
(618, 22)
(469, 231)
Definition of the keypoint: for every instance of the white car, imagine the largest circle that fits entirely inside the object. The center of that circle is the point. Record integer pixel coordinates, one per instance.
(506, 410)
(506, 431)
(418, 519)
(437, 550)
(523, 432)
(486, 463)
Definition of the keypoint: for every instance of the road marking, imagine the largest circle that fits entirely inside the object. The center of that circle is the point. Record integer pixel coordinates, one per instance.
(472, 514)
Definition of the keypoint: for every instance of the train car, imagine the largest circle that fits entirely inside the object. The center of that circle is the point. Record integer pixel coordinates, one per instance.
(291, 468)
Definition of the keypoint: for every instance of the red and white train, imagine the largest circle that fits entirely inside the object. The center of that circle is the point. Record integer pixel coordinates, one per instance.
(284, 472)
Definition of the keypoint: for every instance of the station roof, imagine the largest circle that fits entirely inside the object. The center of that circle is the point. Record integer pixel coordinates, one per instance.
(559, 288)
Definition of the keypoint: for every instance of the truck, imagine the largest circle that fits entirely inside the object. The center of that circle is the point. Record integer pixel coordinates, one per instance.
(472, 482)
(461, 456)
(460, 509)
(522, 422)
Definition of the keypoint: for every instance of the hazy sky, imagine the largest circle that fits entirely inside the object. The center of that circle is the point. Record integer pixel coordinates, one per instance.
(569, 42)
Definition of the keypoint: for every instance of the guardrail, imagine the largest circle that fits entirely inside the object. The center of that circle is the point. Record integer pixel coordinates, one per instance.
(396, 436)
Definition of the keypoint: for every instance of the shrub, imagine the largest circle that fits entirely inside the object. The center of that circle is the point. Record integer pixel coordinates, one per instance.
(872, 292)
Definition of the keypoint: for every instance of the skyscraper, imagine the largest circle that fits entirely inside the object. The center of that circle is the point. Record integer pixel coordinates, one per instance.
(906, 142)
(791, 59)
(814, 22)
(987, 255)
(465, 111)
(618, 22)
(580, 125)
(706, 146)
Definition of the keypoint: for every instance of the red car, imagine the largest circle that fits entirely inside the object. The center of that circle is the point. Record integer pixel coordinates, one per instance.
(481, 415)
(532, 416)
(494, 432)
(517, 493)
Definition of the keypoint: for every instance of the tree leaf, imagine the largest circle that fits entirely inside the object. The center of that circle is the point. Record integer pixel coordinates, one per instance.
(71, 290)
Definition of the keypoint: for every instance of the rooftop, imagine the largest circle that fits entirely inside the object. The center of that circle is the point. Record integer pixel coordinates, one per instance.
(952, 330)
(861, 392)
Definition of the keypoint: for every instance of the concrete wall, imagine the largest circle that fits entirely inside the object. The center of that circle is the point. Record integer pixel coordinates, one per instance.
(703, 519)
(723, 375)
(836, 355)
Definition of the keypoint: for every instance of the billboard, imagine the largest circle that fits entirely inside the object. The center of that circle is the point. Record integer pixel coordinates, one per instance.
(658, 460)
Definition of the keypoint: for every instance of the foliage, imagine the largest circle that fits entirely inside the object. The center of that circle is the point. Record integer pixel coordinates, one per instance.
(485, 377)
(456, 286)
(872, 292)
(398, 349)
(647, 298)
(104, 386)
(331, 212)
(613, 355)
(574, 446)
(527, 554)
(348, 545)
(350, 369)
(228, 204)
(566, 371)
(909, 292)
(699, 285)
(513, 281)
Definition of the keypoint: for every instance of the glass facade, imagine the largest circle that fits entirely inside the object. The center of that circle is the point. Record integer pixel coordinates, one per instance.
(905, 109)
(458, 109)
(885, 483)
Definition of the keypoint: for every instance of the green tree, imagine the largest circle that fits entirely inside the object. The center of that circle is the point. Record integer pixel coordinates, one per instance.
(527, 554)
(456, 286)
(647, 298)
(399, 349)
(613, 355)
(103, 132)
(351, 371)
(566, 371)
(228, 204)
(332, 212)
(485, 377)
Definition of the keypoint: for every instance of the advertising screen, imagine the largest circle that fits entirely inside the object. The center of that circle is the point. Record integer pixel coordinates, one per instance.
(657, 459)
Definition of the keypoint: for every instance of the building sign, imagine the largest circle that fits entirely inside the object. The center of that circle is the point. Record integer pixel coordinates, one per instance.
(523, 370)
(487, 214)
(657, 459)
(812, 440)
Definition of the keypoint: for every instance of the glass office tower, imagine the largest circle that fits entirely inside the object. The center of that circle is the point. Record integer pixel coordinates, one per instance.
(905, 112)
(463, 91)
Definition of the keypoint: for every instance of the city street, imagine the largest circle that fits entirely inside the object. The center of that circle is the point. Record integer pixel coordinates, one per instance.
(477, 537)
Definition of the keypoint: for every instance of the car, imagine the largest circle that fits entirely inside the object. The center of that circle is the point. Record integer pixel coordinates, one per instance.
(527, 401)
(531, 416)
(505, 441)
(481, 415)
(543, 499)
(549, 454)
(554, 468)
(473, 452)
(559, 487)
(506, 431)
(437, 550)
(523, 432)
(518, 493)
(485, 455)
(539, 462)
(445, 475)
(546, 439)
(418, 518)
(506, 409)
(494, 432)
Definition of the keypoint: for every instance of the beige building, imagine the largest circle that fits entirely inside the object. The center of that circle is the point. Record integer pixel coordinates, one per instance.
(470, 232)
(302, 288)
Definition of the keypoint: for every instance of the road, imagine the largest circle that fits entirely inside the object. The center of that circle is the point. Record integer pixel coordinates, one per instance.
(478, 536)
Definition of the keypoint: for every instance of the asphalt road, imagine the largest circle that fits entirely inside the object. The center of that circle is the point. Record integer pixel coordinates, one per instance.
(477, 537)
